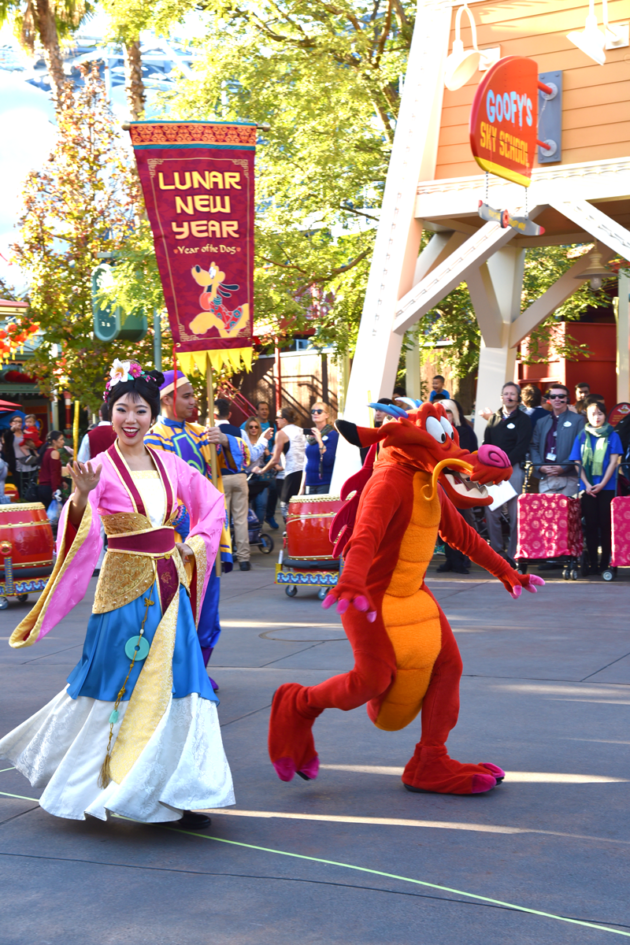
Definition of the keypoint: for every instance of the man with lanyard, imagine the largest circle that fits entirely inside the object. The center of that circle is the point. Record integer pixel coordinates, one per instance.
(511, 430)
(554, 436)
(175, 433)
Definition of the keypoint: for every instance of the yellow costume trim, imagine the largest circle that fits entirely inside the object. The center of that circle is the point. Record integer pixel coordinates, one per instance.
(411, 615)
(124, 579)
(198, 546)
(33, 620)
(150, 698)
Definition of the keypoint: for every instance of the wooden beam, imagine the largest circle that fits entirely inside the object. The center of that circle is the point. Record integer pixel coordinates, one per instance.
(473, 253)
(550, 300)
(440, 246)
(602, 227)
(486, 306)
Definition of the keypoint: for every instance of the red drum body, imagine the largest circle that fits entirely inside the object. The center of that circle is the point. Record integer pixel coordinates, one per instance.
(26, 549)
(308, 524)
(306, 559)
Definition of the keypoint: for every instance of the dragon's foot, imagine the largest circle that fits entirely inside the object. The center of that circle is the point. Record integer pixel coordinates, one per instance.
(291, 744)
(431, 770)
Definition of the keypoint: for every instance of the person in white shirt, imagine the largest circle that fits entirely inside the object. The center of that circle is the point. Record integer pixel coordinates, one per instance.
(291, 443)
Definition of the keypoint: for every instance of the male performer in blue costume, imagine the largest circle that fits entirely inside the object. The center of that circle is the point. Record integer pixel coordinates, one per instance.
(175, 433)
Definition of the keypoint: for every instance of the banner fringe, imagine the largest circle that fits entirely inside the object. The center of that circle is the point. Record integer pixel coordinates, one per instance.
(197, 361)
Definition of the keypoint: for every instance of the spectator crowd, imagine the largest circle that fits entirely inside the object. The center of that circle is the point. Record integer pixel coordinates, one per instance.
(554, 446)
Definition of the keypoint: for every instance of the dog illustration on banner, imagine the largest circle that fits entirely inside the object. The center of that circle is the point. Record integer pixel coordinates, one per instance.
(215, 314)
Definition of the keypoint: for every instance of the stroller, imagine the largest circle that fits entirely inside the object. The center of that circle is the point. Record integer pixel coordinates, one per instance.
(255, 534)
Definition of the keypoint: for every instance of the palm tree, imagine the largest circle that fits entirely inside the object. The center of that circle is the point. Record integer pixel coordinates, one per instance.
(134, 86)
(46, 21)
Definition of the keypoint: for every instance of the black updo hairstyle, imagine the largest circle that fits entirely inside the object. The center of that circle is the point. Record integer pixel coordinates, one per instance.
(146, 387)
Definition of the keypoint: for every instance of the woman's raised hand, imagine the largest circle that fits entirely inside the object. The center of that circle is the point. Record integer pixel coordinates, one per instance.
(85, 478)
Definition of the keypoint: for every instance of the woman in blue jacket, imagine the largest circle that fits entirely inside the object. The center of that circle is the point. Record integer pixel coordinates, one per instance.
(321, 447)
(598, 449)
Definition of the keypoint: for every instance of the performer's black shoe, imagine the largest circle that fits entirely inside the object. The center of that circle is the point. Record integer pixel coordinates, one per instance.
(447, 566)
(192, 821)
(245, 566)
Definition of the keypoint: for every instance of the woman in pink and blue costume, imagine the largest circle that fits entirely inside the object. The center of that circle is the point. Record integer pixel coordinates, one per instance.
(136, 730)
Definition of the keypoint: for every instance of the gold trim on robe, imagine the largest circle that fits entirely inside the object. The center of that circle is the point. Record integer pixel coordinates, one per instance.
(152, 692)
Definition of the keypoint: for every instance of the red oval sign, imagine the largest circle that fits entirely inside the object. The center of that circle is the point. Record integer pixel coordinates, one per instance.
(504, 119)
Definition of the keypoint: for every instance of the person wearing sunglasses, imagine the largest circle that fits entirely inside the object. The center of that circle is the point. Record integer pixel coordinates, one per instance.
(552, 442)
(321, 447)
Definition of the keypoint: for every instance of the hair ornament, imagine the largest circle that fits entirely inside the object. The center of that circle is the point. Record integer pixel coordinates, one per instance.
(121, 372)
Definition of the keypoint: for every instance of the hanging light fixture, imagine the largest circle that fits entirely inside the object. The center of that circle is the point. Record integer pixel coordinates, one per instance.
(596, 271)
(461, 65)
(593, 41)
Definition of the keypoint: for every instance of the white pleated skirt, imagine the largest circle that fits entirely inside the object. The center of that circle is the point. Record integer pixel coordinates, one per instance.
(183, 766)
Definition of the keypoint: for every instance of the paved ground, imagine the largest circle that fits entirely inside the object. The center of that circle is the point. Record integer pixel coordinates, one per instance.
(546, 695)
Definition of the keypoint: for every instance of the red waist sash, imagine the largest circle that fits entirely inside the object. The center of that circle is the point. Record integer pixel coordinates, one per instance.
(159, 541)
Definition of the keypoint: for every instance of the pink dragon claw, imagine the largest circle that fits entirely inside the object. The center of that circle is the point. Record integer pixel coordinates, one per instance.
(516, 592)
(342, 606)
(361, 603)
(285, 768)
(328, 601)
(371, 616)
(534, 581)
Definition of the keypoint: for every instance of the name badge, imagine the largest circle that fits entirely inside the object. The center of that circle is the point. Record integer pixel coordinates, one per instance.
(511, 426)
(567, 423)
(324, 438)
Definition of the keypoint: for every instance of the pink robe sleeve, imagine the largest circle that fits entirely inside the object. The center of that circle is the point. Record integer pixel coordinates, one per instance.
(206, 508)
(78, 550)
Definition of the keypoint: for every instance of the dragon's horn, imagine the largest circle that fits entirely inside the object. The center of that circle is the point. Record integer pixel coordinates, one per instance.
(414, 404)
(391, 409)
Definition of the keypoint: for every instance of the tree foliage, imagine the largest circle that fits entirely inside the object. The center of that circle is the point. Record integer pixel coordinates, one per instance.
(81, 203)
(325, 77)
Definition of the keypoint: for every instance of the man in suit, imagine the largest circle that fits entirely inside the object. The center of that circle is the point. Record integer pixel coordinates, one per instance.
(552, 443)
(510, 429)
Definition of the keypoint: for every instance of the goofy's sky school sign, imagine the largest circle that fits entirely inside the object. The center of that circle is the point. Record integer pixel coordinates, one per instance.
(504, 119)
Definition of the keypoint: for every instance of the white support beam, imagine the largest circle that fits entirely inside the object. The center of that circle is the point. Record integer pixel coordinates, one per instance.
(412, 371)
(439, 248)
(486, 306)
(496, 366)
(550, 300)
(623, 339)
(445, 277)
(598, 224)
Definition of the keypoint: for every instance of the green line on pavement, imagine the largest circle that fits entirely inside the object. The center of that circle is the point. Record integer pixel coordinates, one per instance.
(365, 869)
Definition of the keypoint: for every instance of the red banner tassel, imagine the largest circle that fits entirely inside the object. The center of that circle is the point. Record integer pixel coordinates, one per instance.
(175, 382)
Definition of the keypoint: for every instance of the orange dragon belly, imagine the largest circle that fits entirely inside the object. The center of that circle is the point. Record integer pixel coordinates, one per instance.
(411, 615)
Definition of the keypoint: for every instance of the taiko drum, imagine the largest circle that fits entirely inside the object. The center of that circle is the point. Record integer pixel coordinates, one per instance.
(308, 525)
(26, 539)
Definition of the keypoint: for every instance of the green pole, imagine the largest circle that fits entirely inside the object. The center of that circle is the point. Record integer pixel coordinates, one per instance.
(157, 340)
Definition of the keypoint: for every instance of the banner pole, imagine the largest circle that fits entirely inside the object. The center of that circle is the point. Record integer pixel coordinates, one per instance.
(213, 450)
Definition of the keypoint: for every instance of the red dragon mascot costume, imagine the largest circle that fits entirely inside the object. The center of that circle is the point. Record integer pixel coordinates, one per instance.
(406, 657)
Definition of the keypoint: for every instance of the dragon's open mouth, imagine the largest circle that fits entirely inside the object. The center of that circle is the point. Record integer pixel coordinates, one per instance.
(461, 483)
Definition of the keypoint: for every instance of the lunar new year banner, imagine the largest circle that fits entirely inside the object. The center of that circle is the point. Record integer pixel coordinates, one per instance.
(198, 185)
